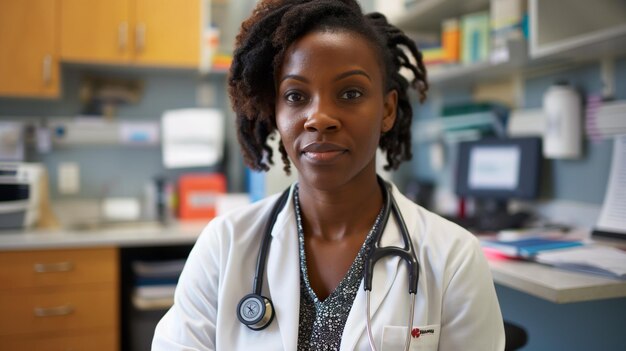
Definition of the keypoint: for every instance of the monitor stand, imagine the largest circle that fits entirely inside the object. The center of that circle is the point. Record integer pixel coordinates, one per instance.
(493, 215)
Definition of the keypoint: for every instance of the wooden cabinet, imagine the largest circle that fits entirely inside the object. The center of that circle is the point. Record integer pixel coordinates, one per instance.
(59, 300)
(28, 57)
(95, 31)
(167, 32)
(144, 32)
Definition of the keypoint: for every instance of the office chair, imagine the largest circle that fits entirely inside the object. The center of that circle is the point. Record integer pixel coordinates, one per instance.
(515, 335)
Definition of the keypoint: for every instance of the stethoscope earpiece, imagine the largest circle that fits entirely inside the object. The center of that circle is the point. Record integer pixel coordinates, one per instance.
(255, 311)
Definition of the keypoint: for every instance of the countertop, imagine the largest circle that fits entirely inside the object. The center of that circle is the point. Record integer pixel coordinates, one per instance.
(549, 283)
(127, 235)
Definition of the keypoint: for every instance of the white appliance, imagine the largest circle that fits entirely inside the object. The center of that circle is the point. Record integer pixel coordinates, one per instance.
(19, 194)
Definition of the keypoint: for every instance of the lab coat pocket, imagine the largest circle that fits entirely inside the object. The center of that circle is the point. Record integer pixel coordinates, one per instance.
(424, 338)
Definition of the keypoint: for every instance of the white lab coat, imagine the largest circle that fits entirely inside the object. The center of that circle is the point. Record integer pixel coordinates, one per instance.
(456, 305)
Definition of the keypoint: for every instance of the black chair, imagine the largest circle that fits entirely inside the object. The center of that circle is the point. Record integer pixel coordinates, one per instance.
(515, 335)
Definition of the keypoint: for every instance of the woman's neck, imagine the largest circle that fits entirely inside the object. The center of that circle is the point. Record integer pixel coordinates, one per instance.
(333, 215)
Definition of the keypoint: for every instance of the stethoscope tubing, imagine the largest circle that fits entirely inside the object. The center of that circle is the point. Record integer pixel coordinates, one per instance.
(257, 285)
(368, 322)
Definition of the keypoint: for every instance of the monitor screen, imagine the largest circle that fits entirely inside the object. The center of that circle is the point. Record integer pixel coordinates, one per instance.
(499, 168)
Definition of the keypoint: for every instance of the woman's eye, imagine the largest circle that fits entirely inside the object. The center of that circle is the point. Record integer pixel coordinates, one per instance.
(351, 94)
(294, 97)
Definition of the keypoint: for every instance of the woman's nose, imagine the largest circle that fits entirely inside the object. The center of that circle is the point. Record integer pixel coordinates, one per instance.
(320, 120)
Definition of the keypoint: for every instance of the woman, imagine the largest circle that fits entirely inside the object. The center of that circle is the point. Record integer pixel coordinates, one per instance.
(326, 78)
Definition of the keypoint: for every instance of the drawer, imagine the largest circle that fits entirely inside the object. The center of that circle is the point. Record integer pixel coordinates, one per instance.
(101, 341)
(58, 310)
(22, 269)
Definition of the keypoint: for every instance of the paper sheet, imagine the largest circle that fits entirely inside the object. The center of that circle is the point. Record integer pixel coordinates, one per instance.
(613, 216)
(607, 261)
(192, 137)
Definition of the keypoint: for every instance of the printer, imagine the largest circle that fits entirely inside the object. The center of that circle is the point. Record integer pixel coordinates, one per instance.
(20, 194)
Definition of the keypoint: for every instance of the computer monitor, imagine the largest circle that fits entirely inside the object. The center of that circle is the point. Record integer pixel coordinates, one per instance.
(493, 171)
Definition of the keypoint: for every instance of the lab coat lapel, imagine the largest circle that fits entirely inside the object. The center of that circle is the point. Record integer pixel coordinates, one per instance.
(283, 275)
(385, 271)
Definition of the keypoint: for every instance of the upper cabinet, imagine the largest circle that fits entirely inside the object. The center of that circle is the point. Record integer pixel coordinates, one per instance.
(145, 32)
(167, 32)
(585, 29)
(96, 31)
(28, 56)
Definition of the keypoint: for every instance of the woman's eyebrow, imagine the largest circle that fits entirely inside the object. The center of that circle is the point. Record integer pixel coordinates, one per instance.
(295, 77)
(352, 72)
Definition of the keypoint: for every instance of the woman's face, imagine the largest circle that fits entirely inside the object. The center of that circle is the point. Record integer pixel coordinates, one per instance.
(331, 107)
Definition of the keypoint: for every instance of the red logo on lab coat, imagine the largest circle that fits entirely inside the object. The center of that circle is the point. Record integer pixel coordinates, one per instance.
(415, 332)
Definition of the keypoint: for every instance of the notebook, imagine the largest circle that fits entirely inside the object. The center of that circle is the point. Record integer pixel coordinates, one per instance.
(529, 247)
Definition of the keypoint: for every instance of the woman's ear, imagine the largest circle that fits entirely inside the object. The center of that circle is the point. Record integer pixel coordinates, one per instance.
(389, 111)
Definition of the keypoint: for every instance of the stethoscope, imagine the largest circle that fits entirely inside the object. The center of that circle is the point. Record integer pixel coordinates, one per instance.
(257, 311)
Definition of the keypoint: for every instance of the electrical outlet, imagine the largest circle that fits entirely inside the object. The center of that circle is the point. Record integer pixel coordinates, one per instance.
(68, 174)
(205, 95)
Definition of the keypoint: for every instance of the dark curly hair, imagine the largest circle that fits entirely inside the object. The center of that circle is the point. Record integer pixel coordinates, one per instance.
(259, 52)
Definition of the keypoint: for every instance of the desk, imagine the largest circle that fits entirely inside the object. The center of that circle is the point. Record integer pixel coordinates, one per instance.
(554, 284)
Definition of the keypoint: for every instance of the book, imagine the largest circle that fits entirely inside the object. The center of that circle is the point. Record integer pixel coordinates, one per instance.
(529, 247)
(158, 269)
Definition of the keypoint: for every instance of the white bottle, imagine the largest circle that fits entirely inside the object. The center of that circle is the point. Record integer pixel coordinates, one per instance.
(563, 129)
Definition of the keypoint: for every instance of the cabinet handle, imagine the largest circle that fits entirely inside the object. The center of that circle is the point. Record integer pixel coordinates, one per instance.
(53, 267)
(122, 36)
(53, 311)
(47, 69)
(140, 33)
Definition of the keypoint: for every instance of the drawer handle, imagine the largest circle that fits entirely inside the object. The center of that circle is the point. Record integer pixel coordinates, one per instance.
(53, 267)
(53, 311)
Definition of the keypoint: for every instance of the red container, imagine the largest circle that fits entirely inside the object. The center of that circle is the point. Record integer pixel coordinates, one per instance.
(197, 195)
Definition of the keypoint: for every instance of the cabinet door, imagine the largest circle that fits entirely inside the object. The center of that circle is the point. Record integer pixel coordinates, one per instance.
(28, 59)
(167, 32)
(95, 31)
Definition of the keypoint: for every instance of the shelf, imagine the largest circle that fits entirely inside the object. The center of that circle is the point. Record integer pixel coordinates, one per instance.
(427, 15)
(555, 42)
(511, 59)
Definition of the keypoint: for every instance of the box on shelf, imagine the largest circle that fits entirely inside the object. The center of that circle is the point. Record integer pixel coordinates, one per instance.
(475, 37)
(451, 40)
(508, 22)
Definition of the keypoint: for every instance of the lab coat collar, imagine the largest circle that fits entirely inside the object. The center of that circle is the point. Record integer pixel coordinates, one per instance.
(283, 279)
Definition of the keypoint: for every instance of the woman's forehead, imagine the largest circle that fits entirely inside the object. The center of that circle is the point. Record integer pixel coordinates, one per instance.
(331, 49)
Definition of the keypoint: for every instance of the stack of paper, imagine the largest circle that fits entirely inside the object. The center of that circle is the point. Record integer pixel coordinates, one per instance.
(155, 283)
(601, 260)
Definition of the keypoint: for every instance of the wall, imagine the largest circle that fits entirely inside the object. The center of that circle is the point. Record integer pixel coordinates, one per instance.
(123, 170)
(582, 180)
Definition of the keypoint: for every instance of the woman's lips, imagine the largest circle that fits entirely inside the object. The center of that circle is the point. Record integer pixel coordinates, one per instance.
(323, 152)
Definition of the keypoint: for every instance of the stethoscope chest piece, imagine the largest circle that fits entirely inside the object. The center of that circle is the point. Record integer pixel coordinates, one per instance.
(255, 311)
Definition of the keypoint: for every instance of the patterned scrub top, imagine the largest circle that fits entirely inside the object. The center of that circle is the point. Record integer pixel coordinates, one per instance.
(322, 322)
